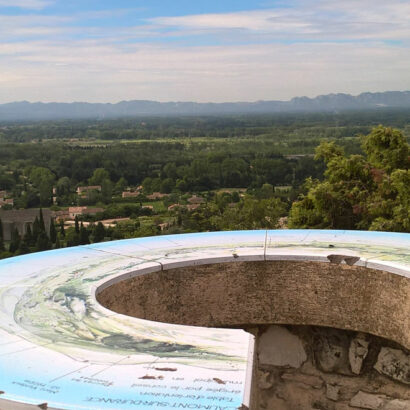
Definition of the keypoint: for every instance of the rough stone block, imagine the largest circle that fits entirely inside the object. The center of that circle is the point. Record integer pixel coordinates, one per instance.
(397, 405)
(359, 347)
(394, 363)
(279, 347)
(331, 351)
(369, 401)
(306, 379)
(332, 391)
(264, 382)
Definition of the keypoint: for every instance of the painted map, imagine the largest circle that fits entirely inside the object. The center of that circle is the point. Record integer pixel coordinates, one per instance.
(58, 345)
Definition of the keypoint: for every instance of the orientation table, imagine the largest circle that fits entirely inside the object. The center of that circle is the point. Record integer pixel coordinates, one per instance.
(59, 346)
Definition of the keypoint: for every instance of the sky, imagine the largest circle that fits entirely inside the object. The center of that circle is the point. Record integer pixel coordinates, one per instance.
(201, 50)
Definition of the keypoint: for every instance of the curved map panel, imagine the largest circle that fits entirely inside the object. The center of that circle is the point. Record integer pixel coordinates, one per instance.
(59, 346)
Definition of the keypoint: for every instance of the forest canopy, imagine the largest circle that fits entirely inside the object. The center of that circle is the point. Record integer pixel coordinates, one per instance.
(368, 192)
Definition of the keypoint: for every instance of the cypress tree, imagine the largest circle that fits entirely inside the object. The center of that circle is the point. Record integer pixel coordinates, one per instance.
(62, 231)
(28, 236)
(58, 245)
(41, 221)
(36, 229)
(53, 232)
(84, 240)
(43, 243)
(99, 232)
(23, 248)
(15, 240)
(76, 225)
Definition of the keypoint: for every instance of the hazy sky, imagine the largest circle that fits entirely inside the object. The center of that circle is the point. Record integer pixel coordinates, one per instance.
(201, 50)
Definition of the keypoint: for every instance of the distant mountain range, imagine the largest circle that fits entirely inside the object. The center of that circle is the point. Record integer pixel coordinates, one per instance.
(79, 110)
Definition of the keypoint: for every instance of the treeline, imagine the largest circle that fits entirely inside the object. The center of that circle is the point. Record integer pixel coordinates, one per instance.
(31, 171)
(319, 125)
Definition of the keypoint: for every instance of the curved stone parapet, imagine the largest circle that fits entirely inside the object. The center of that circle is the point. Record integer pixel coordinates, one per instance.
(246, 294)
(59, 345)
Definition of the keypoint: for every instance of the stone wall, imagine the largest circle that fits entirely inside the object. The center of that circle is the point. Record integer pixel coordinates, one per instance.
(328, 336)
(304, 367)
(243, 294)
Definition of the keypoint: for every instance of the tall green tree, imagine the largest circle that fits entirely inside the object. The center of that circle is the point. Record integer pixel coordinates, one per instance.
(36, 229)
(99, 175)
(62, 230)
(72, 237)
(84, 239)
(368, 191)
(41, 221)
(42, 243)
(28, 236)
(23, 248)
(53, 232)
(98, 232)
(43, 180)
(76, 225)
(58, 243)
(14, 241)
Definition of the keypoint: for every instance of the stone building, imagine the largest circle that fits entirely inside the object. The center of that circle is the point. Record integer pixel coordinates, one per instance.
(20, 218)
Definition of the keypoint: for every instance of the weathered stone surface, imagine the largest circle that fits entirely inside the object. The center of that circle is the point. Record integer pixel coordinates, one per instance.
(306, 379)
(332, 391)
(331, 351)
(364, 400)
(309, 387)
(351, 260)
(264, 380)
(394, 363)
(359, 347)
(336, 259)
(397, 405)
(342, 406)
(279, 347)
(244, 294)
(323, 404)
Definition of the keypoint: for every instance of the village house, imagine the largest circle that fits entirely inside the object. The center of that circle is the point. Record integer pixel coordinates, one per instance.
(74, 211)
(196, 200)
(5, 199)
(63, 215)
(128, 194)
(131, 192)
(9, 201)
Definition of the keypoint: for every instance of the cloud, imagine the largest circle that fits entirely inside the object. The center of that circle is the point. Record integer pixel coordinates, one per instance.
(32, 27)
(96, 71)
(313, 47)
(26, 4)
(257, 20)
(307, 20)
